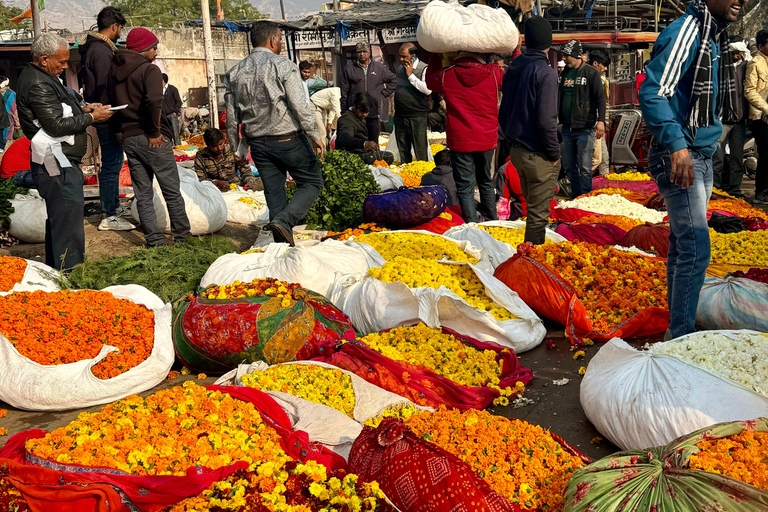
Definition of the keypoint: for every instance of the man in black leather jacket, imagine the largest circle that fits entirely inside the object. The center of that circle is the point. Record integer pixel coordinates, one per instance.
(41, 102)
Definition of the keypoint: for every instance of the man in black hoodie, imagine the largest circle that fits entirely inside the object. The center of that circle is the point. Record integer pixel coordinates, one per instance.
(96, 61)
(146, 134)
(528, 121)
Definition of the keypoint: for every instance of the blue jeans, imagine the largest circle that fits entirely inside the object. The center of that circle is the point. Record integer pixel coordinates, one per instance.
(577, 158)
(689, 249)
(23, 179)
(111, 163)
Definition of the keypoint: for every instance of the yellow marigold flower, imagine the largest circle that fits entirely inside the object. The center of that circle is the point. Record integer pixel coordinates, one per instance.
(202, 376)
(743, 248)
(582, 371)
(511, 236)
(436, 148)
(578, 354)
(628, 176)
(415, 245)
(185, 370)
(412, 172)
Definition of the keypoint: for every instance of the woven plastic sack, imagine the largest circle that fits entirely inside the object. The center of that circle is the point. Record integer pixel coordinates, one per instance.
(419, 476)
(203, 202)
(313, 267)
(43, 482)
(422, 385)
(28, 385)
(733, 303)
(246, 207)
(386, 179)
(214, 336)
(27, 222)
(637, 398)
(644, 187)
(37, 276)
(660, 479)
(648, 237)
(405, 207)
(601, 233)
(496, 251)
(551, 296)
(450, 27)
(374, 306)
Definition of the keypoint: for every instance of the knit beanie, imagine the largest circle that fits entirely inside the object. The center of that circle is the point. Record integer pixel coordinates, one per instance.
(140, 39)
(572, 49)
(538, 33)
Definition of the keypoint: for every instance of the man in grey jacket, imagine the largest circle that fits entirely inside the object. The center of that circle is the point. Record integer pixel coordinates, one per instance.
(266, 95)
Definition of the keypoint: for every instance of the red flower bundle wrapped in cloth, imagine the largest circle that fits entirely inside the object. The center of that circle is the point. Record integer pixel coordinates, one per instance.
(600, 234)
(419, 476)
(264, 320)
(596, 292)
(648, 237)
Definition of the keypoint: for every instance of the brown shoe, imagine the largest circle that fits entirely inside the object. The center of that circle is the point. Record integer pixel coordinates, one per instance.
(281, 233)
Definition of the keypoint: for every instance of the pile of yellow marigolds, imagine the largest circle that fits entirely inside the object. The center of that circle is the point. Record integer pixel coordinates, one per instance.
(511, 236)
(743, 248)
(415, 246)
(412, 172)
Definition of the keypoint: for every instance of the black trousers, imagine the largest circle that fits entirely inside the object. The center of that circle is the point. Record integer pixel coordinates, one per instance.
(64, 231)
(470, 169)
(760, 131)
(374, 129)
(411, 132)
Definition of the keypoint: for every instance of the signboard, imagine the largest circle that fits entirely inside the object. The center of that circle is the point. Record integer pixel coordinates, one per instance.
(310, 39)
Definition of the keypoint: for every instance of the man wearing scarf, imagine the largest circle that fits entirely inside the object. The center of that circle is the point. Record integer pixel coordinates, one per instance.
(689, 90)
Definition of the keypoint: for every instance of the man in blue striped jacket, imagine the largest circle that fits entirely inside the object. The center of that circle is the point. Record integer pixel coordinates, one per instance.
(688, 90)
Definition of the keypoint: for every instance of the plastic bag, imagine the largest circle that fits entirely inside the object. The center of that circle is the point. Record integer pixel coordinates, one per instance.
(37, 276)
(733, 303)
(419, 476)
(638, 399)
(725, 223)
(386, 179)
(246, 207)
(648, 237)
(660, 479)
(374, 305)
(28, 217)
(450, 27)
(203, 202)
(601, 234)
(214, 336)
(406, 207)
(28, 385)
(422, 385)
(313, 267)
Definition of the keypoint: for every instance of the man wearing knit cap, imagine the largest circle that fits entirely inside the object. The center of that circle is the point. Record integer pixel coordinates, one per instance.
(146, 134)
(582, 114)
(528, 121)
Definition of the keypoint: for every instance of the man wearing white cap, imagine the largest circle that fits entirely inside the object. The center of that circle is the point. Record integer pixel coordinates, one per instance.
(728, 178)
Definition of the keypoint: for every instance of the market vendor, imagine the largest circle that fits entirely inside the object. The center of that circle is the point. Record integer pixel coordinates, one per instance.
(15, 165)
(442, 174)
(352, 133)
(217, 163)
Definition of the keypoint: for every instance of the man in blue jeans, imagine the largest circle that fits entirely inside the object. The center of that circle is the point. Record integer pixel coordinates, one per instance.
(688, 90)
(581, 110)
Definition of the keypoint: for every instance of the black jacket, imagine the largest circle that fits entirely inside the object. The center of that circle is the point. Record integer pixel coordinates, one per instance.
(442, 175)
(40, 96)
(351, 132)
(371, 81)
(95, 63)
(171, 101)
(588, 98)
(528, 112)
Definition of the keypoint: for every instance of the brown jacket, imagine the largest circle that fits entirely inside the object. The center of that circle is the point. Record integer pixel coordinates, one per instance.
(756, 86)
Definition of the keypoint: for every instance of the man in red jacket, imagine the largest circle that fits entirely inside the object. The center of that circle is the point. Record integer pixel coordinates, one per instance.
(471, 88)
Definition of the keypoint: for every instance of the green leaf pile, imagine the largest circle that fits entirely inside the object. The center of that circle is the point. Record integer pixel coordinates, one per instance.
(7, 192)
(348, 181)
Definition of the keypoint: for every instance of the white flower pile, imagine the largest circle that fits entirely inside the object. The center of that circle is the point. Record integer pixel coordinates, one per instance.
(615, 204)
(739, 356)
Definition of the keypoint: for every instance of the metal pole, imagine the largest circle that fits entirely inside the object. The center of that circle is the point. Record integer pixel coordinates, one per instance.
(282, 9)
(656, 13)
(538, 7)
(35, 17)
(210, 73)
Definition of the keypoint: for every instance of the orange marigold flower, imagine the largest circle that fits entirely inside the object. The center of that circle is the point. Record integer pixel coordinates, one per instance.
(11, 272)
(620, 221)
(202, 376)
(741, 456)
(173, 375)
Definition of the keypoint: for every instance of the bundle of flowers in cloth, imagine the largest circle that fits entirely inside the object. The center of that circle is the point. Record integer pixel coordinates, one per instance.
(405, 207)
(648, 237)
(642, 398)
(596, 292)
(434, 367)
(524, 463)
(74, 349)
(20, 275)
(733, 303)
(720, 467)
(498, 238)
(570, 211)
(601, 233)
(265, 319)
(456, 295)
(328, 403)
(158, 450)
(633, 181)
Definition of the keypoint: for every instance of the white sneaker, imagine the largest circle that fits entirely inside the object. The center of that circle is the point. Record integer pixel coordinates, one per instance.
(123, 211)
(115, 223)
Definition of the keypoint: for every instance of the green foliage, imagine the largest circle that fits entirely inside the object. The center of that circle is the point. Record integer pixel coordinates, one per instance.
(6, 13)
(162, 13)
(7, 192)
(170, 272)
(348, 181)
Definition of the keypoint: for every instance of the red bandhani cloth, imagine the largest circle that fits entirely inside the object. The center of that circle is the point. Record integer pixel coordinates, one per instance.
(17, 158)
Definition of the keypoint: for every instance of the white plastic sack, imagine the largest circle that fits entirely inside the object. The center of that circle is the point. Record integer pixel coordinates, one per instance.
(496, 252)
(391, 146)
(324, 424)
(639, 400)
(450, 27)
(37, 276)
(28, 385)
(386, 179)
(203, 202)
(374, 305)
(733, 303)
(28, 217)
(312, 267)
(240, 212)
